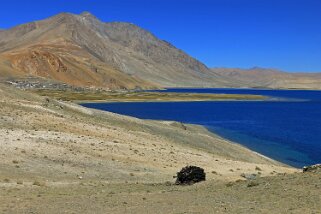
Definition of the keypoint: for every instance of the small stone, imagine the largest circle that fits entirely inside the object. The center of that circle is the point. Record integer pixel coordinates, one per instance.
(249, 176)
(229, 184)
(258, 168)
(39, 183)
(168, 183)
(252, 184)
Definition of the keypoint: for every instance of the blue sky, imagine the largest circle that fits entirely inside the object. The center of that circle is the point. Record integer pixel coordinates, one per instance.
(283, 34)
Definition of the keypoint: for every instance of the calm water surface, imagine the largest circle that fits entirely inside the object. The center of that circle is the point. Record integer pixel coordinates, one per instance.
(287, 130)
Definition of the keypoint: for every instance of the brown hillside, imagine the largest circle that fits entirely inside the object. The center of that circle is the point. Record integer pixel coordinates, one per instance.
(82, 50)
(269, 78)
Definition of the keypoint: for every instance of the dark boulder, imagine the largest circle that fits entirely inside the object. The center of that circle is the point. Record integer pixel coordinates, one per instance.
(190, 175)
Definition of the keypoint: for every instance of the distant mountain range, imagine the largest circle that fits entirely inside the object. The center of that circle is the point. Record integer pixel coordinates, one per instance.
(81, 50)
(269, 78)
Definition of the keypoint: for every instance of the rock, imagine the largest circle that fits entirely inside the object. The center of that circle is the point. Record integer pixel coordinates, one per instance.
(252, 184)
(168, 183)
(229, 184)
(39, 183)
(258, 168)
(190, 175)
(249, 176)
(15, 161)
(312, 168)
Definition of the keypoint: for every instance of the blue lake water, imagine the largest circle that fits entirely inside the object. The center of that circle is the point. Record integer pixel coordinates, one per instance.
(288, 130)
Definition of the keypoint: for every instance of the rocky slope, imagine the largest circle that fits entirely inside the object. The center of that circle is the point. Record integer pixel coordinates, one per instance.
(82, 50)
(269, 78)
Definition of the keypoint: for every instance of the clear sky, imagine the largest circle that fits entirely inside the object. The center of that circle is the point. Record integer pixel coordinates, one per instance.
(283, 34)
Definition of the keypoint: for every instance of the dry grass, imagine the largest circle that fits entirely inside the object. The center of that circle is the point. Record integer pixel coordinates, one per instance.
(68, 95)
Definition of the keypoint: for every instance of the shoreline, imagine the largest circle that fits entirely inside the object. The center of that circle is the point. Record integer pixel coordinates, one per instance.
(244, 88)
(161, 101)
(85, 97)
(126, 98)
(62, 107)
(197, 125)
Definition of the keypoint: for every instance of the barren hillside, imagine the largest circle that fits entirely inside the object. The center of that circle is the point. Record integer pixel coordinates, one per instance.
(269, 78)
(82, 50)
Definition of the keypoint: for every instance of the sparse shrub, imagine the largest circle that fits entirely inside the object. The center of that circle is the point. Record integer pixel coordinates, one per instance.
(190, 175)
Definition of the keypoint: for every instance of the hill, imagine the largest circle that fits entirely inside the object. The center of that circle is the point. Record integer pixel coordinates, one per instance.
(269, 78)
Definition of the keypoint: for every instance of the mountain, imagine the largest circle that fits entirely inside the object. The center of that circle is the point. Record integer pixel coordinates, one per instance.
(82, 50)
(269, 78)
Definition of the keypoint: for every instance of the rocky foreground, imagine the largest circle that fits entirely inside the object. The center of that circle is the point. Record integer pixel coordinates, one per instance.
(58, 157)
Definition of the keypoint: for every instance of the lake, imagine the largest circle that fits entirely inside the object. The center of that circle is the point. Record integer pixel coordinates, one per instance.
(287, 129)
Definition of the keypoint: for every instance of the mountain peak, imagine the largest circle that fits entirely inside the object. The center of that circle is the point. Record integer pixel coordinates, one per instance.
(257, 68)
(87, 14)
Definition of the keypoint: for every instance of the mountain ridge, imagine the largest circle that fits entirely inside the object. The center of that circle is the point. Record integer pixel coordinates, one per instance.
(125, 48)
(257, 77)
(81, 50)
